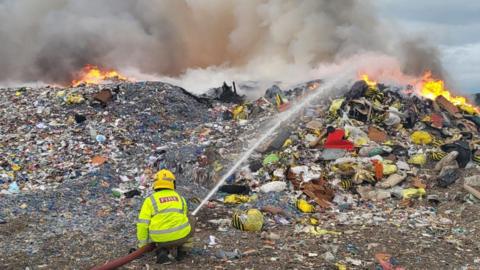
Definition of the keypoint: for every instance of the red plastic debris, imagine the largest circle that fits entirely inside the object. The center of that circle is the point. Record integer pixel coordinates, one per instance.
(335, 140)
(437, 120)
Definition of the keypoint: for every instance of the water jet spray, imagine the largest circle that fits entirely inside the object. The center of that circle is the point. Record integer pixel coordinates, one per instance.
(280, 119)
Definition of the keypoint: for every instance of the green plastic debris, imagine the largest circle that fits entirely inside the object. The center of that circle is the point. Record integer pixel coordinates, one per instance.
(271, 159)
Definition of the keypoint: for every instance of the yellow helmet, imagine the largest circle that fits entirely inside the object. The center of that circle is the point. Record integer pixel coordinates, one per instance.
(164, 179)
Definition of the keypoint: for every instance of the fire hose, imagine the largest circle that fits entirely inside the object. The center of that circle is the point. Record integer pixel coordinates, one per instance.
(125, 259)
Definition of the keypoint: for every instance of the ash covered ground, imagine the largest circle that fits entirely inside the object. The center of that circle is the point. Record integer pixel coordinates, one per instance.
(76, 164)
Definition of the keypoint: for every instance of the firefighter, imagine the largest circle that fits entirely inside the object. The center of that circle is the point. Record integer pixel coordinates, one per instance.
(163, 219)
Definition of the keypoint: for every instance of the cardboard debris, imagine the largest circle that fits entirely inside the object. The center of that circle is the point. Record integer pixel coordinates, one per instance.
(98, 160)
(314, 125)
(377, 135)
(447, 105)
(103, 96)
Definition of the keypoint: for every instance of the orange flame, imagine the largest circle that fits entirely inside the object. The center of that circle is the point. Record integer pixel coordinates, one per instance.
(312, 85)
(432, 88)
(91, 74)
(427, 87)
(370, 83)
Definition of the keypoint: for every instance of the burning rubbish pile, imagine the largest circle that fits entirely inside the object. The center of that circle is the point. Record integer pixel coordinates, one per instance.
(91, 74)
(375, 155)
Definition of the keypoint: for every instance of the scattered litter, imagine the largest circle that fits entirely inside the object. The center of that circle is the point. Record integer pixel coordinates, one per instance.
(250, 220)
(361, 160)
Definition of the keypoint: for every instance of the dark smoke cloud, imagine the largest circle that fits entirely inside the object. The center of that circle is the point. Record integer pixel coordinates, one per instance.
(49, 40)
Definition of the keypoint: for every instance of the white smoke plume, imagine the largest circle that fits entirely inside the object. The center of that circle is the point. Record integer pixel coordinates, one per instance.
(50, 40)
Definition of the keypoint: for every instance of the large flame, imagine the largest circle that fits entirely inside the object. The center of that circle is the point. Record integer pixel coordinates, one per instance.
(368, 81)
(432, 88)
(427, 87)
(91, 74)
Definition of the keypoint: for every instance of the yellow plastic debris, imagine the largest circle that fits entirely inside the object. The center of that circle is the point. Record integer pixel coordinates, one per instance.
(235, 199)
(341, 266)
(418, 159)
(75, 99)
(250, 221)
(413, 193)
(287, 143)
(60, 94)
(239, 113)
(280, 100)
(397, 105)
(309, 221)
(217, 166)
(16, 167)
(304, 206)
(335, 106)
(421, 137)
(361, 141)
(318, 231)
(427, 118)
(71, 120)
(389, 169)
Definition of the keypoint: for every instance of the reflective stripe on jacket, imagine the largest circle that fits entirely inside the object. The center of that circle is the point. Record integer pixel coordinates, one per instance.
(163, 218)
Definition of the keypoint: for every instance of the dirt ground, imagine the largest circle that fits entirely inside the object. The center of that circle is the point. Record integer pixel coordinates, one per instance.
(450, 240)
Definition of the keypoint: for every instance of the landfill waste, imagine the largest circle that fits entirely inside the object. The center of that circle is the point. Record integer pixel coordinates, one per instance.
(275, 186)
(270, 236)
(304, 206)
(81, 160)
(80, 118)
(413, 193)
(225, 93)
(319, 232)
(464, 152)
(387, 262)
(13, 188)
(421, 137)
(392, 180)
(418, 159)
(446, 160)
(221, 254)
(448, 176)
(250, 220)
(235, 189)
(473, 180)
(234, 199)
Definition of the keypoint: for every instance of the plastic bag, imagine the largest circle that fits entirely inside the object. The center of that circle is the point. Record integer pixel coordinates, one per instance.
(335, 106)
(319, 231)
(75, 99)
(271, 159)
(421, 137)
(304, 206)
(418, 159)
(389, 169)
(413, 193)
(274, 186)
(235, 198)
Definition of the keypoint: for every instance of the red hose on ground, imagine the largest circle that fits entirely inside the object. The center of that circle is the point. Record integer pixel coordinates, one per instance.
(125, 259)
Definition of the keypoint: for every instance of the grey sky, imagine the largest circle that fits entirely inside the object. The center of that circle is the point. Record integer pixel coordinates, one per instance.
(452, 24)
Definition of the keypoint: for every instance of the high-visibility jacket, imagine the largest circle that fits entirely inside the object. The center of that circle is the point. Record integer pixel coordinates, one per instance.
(163, 218)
